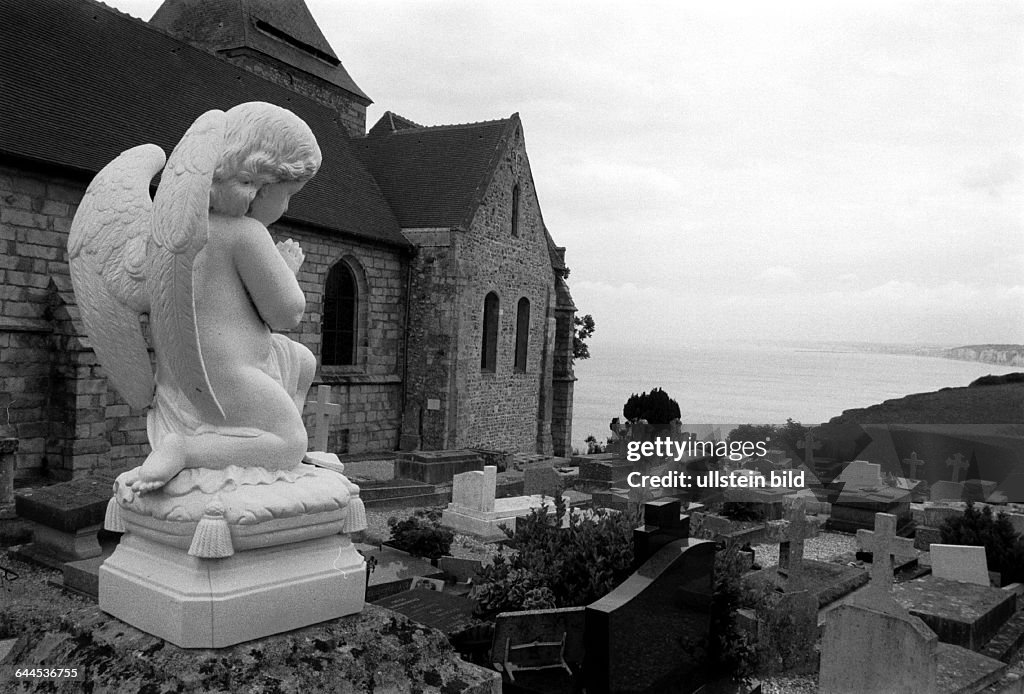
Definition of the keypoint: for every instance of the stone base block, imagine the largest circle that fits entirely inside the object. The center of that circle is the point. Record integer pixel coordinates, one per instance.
(213, 603)
(69, 545)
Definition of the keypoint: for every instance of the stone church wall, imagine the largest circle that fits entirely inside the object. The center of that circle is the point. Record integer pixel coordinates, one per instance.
(506, 410)
(53, 395)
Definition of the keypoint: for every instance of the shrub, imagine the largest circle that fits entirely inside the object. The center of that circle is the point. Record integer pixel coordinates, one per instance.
(730, 650)
(555, 566)
(421, 534)
(1004, 548)
(656, 407)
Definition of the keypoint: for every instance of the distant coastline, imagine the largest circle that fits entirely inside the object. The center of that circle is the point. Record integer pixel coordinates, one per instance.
(1004, 355)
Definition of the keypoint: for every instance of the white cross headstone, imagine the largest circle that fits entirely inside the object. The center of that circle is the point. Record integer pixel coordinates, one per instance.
(810, 446)
(913, 462)
(958, 463)
(880, 545)
(325, 409)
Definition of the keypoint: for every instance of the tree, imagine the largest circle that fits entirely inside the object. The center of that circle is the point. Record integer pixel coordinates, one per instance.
(753, 433)
(1004, 549)
(583, 328)
(656, 407)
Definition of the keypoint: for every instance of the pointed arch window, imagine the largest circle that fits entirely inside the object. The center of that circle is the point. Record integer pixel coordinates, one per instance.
(515, 210)
(522, 334)
(339, 325)
(489, 342)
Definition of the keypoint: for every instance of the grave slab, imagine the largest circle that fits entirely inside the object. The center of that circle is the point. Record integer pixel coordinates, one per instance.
(68, 516)
(963, 614)
(436, 609)
(436, 467)
(393, 570)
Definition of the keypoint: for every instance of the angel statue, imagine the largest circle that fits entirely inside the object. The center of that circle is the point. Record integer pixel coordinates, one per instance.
(227, 393)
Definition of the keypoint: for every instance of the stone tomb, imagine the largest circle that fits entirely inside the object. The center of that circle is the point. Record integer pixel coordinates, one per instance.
(68, 517)
(436, 467)
(853, 509)
(944, 490)
(960, 563)
(627, 644)
(960, 613)
(445, 612)
(860, 474)
(872, 644)
(475, 511)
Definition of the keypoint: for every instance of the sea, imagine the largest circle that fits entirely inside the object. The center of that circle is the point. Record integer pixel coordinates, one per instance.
(721, 386)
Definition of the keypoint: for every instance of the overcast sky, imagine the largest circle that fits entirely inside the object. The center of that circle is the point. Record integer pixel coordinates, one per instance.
(819, 171)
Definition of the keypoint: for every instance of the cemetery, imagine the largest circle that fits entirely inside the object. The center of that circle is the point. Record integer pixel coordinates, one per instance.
(201, 503)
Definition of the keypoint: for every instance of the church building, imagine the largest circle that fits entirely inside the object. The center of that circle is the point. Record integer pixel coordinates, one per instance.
(436, 298)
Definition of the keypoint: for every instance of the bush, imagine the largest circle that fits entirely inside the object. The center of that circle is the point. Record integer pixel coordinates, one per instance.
(421, 534)
(555, 566)
(1004, 548)
(656, 407)
(731, 652)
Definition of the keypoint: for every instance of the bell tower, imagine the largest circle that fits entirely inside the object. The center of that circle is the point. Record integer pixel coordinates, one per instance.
(276, 39)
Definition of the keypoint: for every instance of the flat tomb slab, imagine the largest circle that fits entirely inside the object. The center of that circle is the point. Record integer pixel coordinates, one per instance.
(828, 581)
(963, 614)
(444, 611)
(962, 671)
(436, 467)
(67, 506)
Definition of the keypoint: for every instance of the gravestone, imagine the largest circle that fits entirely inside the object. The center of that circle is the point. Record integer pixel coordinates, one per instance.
(796, 533)
(961, 614)
(436, 467)
(914, 463)
(960, 563)
(445, 612)
(542, 478)
(663, 523)
(809, 446)
(871, 644)
(958, 465)
(475, 511)
(944, 490)
(668, 595)
(322, 415)
(860, 474)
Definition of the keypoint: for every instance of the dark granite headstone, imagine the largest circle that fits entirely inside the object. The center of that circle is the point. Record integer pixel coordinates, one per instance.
(663, 523)
(648, 631)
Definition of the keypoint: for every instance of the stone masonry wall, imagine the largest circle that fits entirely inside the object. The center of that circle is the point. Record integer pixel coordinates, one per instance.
(53, 395)
(501, 410)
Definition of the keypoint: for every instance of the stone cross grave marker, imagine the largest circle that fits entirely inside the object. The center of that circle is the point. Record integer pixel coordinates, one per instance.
(798, 531)
(810, 445)
(913, 462)
(880, 545)
(325, 409)
(958, 463)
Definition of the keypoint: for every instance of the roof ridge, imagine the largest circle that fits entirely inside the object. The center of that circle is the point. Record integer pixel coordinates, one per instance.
(446, 126)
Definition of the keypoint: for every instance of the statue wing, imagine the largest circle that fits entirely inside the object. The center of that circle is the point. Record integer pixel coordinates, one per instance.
(181, 212)
(107, 248)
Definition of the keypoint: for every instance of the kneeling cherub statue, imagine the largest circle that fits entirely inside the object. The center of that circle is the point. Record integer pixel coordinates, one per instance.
(225, 420)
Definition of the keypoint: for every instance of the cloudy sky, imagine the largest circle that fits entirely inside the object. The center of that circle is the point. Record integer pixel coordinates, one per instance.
(820, 171)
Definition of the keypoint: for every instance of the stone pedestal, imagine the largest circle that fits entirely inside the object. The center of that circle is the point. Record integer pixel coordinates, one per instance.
(213, 603)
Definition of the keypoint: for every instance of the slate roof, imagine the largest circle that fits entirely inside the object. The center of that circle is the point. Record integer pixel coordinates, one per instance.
(434, 177)
(82, 82)
(283, 29)
(391, 122)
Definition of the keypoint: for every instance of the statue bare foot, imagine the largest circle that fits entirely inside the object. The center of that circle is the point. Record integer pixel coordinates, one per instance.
(161, 465)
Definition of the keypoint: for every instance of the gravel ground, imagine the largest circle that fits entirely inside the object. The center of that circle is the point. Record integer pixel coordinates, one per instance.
(823, 547)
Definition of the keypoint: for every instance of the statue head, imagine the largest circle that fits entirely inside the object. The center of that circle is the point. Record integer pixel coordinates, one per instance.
(263, 143)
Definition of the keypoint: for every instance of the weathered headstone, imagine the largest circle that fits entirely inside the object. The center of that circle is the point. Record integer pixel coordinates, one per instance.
(8, 447)
(323, 413)
(944, 490)
(880, 544)
(663, 523)
(809, 446)
(960, 563)
(796, 533)
(860, 474)
(958, 464)
(475, 511)
(913, 462)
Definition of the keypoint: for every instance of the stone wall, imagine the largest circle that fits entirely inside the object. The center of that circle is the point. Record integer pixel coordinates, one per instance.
(54, 397)
(505, 409)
